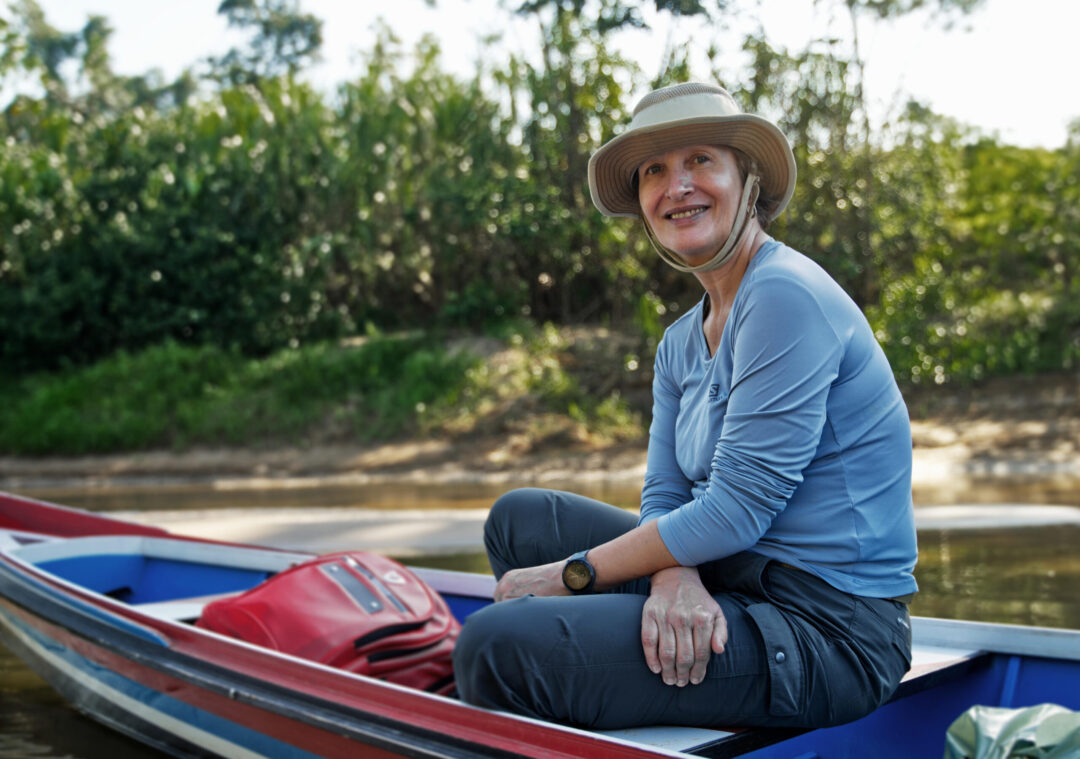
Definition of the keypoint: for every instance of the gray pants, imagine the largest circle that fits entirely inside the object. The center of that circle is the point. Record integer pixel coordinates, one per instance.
(800, 653)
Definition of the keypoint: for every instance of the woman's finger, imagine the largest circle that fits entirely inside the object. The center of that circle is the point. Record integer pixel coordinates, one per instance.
(650, 639)
(667, 647)
(703, 634)
(684, 652)
(720, 632)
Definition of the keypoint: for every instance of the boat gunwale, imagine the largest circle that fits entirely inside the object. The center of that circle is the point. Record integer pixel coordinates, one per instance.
(998, 637)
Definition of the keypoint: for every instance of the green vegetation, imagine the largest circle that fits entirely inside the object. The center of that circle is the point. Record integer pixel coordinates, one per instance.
(181, 261)
(369, 389)
(175, 395)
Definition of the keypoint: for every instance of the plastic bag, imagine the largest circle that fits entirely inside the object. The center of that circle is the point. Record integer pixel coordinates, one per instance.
(1046, 731)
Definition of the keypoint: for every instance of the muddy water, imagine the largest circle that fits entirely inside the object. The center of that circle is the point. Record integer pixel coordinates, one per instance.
(1022, 575)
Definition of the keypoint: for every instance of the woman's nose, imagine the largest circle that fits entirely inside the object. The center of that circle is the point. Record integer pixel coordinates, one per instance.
(679, 186)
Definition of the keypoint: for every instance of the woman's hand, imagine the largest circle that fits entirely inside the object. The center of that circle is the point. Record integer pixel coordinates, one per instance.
(544, 580)
(681, 626)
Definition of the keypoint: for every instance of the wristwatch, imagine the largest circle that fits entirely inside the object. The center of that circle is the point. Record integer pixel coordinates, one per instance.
(578, 574)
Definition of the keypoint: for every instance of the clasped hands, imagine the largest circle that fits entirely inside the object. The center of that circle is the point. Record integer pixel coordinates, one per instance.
(681, 624)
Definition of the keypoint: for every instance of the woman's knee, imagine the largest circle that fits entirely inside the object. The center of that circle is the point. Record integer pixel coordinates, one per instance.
(497, 647)
(516, 528)
(513, 504)
(474, 667)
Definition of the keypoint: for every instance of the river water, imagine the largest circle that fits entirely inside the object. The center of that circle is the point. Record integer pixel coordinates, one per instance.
(970, 566)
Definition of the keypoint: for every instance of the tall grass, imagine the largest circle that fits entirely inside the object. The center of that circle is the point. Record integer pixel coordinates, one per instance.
(178, 396)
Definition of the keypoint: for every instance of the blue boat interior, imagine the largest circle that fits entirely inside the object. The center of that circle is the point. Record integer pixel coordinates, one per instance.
(138, 579)
(133, 572)
(916, 723)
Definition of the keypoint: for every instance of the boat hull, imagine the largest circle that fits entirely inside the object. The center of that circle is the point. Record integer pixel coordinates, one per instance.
(130, 680)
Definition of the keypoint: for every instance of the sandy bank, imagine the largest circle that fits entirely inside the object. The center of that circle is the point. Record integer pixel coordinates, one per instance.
(424, 532)
(943, 453)
(1020, 426)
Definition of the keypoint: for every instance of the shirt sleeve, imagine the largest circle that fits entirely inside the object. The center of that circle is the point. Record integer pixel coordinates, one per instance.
(785, 356)
(666, 487)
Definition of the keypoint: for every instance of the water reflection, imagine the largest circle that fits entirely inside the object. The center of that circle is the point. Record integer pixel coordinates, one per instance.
(207, 497)
(1026, 576)
(1059, 489)
(36, 723)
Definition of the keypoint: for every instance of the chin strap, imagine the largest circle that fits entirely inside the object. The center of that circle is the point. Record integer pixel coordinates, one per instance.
(747, 211)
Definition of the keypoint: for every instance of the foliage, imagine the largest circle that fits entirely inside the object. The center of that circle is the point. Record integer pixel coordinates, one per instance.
(574, 100)
(283, 40)
(242, 210)
(421, 214)
(379, 387)
(148, 226)
(998, 295)
(175, 395)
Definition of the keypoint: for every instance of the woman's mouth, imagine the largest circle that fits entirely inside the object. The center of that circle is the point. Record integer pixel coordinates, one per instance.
(686, 213)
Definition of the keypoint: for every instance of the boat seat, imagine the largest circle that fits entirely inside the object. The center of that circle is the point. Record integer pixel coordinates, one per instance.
(930, 666)
(180, 609)
(934, 665)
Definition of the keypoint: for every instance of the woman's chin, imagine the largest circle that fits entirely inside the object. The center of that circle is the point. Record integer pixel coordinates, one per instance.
(695, 256)
(693, 248)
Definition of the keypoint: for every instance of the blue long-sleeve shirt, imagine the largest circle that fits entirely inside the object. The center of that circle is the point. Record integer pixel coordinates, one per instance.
(792, 440)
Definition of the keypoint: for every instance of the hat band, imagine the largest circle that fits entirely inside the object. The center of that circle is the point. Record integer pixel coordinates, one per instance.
(704, 105)
(750, 193)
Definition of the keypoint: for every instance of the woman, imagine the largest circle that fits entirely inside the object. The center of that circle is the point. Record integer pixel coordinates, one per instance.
(767, 578)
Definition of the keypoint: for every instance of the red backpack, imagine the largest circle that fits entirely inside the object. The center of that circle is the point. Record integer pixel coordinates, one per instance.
(357, 611)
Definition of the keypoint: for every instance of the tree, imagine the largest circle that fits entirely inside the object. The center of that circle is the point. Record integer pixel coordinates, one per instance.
(283, 40)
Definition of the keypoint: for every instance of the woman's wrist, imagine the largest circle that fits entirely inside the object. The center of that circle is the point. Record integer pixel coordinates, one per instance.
(674, 576)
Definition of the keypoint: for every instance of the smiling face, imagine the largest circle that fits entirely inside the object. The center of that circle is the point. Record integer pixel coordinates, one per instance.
(690, 198)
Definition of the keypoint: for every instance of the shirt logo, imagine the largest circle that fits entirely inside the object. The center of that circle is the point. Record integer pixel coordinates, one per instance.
(714, 392)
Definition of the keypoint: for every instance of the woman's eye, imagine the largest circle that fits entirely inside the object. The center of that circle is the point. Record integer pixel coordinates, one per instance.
(654, 169)
(701, 158)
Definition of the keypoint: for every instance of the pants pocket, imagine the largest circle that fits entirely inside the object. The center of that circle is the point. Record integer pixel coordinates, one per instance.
(787, 672)
(882, 631)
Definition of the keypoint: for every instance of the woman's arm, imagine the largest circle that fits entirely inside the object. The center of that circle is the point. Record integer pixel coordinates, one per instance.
(638, 553)
(681, 624)
(666, 487)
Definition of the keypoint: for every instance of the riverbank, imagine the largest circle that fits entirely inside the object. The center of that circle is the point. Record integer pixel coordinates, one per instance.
(1020, 426)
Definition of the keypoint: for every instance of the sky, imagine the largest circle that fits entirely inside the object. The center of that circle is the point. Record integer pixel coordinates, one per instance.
(1009, 68)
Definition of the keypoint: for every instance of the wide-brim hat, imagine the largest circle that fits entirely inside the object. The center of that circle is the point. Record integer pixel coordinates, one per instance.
(685, 114)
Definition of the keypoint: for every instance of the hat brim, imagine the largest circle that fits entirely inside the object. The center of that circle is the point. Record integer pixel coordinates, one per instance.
(612, 167)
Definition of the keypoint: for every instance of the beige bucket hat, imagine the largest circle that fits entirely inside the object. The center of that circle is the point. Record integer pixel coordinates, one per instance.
(684, 114)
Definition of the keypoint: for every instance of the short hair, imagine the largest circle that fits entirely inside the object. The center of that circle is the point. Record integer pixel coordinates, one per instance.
(765, 206)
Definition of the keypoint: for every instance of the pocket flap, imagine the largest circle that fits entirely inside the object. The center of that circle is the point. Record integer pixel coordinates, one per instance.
(786, 670)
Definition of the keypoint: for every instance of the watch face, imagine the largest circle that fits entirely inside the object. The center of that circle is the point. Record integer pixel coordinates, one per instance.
(576, 575)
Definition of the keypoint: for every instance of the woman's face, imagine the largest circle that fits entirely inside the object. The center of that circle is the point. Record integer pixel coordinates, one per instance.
(690, 198)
